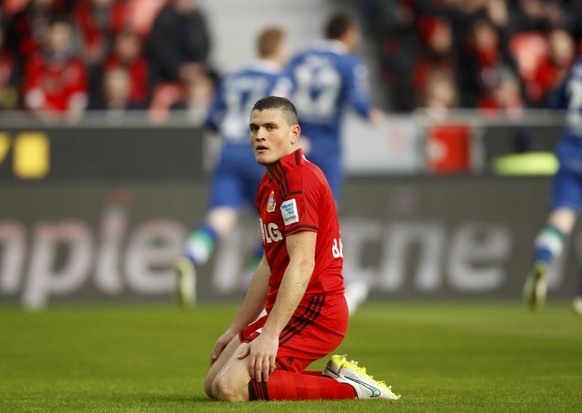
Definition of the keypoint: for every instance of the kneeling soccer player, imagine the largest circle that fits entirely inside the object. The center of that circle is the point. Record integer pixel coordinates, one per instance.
(298, 281)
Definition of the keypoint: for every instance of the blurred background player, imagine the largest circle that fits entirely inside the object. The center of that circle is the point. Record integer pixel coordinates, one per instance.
(236, 176)
(327, 78)
(567, 192)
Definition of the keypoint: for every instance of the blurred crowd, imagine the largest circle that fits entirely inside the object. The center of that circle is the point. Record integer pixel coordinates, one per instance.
(487, 54)
(60, 58)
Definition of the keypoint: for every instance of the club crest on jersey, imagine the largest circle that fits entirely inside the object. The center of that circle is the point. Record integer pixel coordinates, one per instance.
(271, 202)
(289, 212)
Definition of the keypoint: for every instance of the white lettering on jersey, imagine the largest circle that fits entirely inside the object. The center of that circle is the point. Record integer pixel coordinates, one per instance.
(289, 212)
(270, 232)
(337, 249)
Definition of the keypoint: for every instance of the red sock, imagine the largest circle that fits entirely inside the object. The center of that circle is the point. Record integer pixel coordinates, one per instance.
(309, 385)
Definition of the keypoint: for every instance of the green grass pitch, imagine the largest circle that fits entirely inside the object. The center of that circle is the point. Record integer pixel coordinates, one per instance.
(455, 357)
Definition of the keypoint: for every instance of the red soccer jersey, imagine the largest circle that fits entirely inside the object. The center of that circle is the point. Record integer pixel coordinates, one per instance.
(298, 198)
(139, 73)
(51, 85)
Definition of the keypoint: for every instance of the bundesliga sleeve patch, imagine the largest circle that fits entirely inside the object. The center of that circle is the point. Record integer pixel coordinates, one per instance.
(289, 212)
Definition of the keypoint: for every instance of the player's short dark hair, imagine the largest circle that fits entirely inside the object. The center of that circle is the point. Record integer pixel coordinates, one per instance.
(60, 19)
(337, 26)
(269, 41)
(283, 104)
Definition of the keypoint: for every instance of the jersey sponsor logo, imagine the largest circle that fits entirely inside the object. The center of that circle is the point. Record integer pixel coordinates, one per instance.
(289, 212)
(270, 232)
(271, 203)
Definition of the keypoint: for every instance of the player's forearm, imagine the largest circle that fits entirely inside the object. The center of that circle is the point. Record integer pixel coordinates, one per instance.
(291, 292)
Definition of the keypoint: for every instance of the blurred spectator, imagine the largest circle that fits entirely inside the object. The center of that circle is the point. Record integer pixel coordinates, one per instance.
(28, 28)
(503, 99)
(537, 15)
(469, 38)
(562, 53)
(483, 52)
(436, 37)
(98, 21)
(198, 95)
(8, 77)
(127, 53)
(498, 12)
(55, 84)
(115, 97)
(440, 93)
(543, 62)
(179, 42)
(502, 94)
(392, 23)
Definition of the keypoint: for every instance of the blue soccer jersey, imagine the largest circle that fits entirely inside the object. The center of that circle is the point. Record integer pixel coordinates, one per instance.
(567, 191)
(235, 97)
(326, 80)
(237, 175)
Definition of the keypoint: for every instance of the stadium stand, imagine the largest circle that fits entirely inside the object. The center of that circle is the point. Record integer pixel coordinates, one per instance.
(409, 45)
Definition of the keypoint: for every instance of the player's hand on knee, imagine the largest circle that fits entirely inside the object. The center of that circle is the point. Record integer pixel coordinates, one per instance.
(221, 343)
(263, 351)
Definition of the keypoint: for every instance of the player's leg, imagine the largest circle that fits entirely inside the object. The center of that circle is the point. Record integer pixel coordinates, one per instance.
(199, 247)
(219, 364)
(230, 380)
(365, 386)
(548, 246)
(577, 302)
(225, 203)
(346, 381)
(566, 198)
(305, 339)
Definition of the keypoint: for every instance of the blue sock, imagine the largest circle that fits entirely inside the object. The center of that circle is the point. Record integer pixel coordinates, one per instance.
(200, 244)
(548, 245)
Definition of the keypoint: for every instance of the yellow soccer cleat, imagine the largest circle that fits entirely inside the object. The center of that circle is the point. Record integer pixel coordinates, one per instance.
(577, 303)
(536, 286)
(185, 282)
(365, 386)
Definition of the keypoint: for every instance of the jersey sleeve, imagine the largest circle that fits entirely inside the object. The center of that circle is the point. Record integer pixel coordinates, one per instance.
(216, 110)
(282, 86)
(560, 97)
(357, 87)
(557, 99)
(299, 207)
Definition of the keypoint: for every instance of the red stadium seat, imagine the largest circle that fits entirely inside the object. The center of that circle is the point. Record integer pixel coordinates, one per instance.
(142, 13)
(10, 7)
(163, 96)
(448, 148)
(530, 50)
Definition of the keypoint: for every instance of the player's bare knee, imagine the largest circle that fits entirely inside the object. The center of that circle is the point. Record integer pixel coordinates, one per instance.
(228, 389)
(208, 381)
